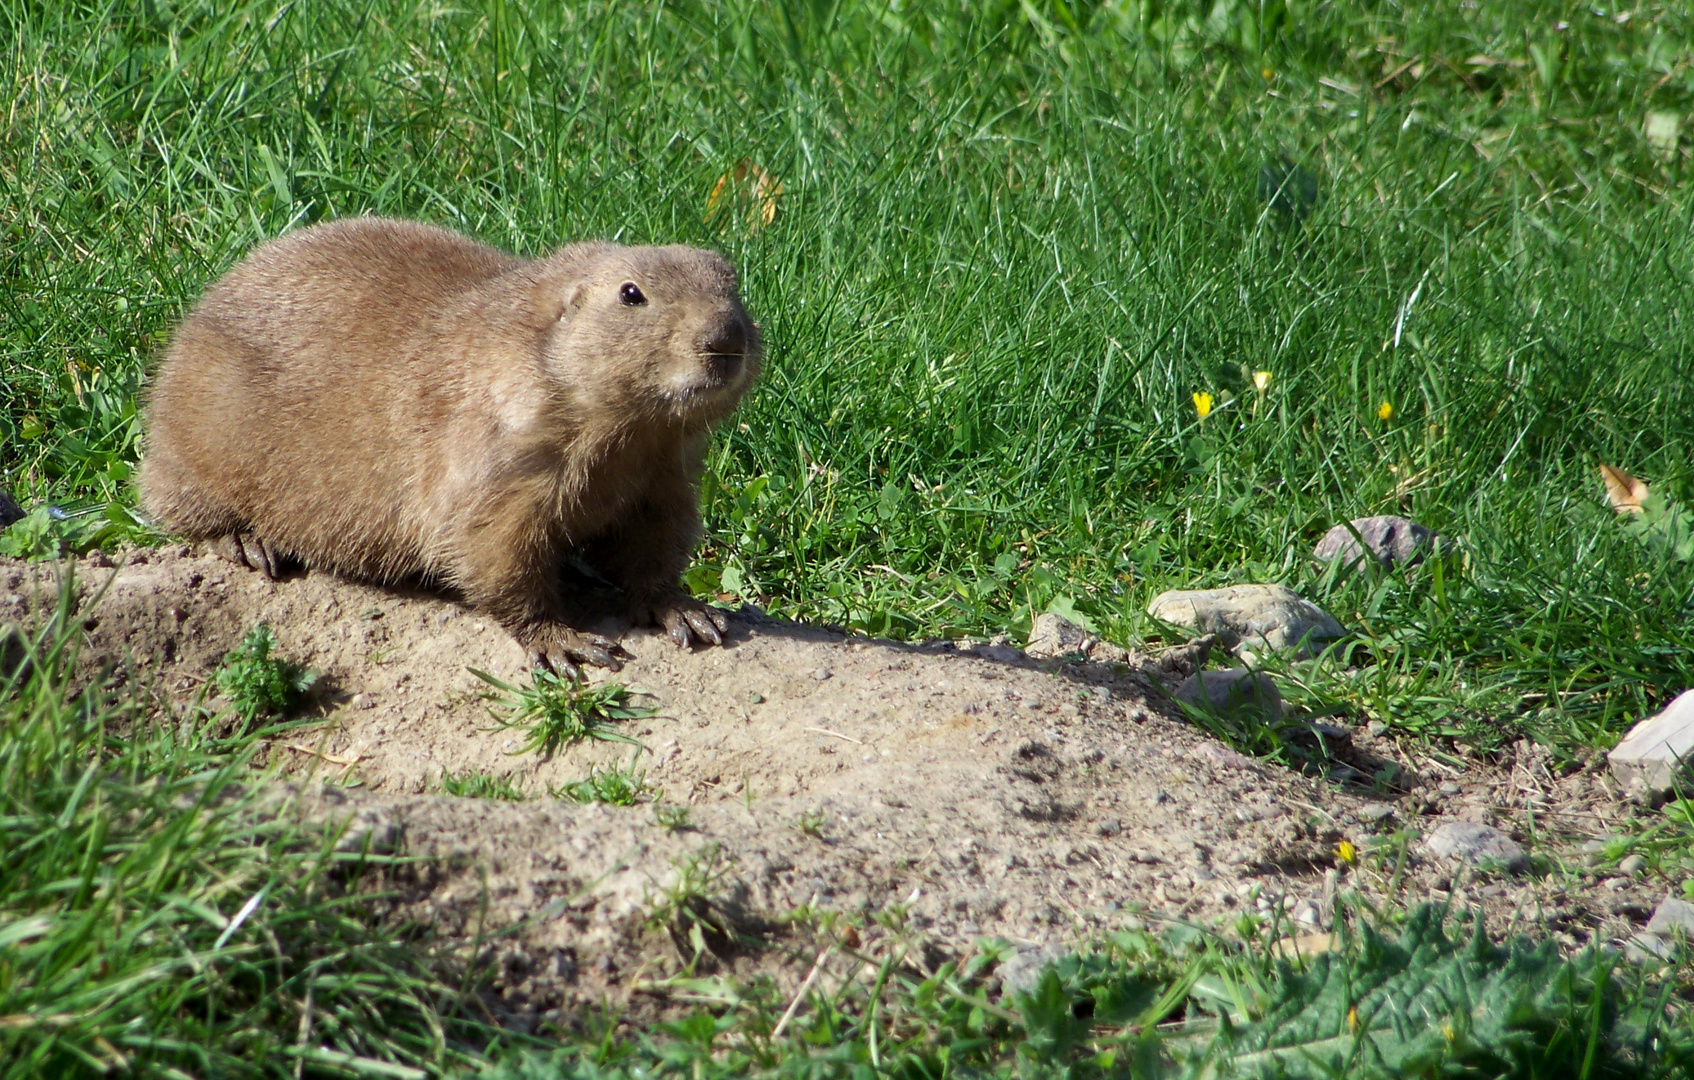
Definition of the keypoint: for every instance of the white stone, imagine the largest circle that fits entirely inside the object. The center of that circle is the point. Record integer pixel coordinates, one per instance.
(1475, 843)
(1650, 759)
(1248, 618)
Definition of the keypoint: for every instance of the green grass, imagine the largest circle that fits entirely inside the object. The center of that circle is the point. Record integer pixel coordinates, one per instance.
(612, 786)
(553, 711)
(473, 784)
(1013, 242)
(154, 923)
(259, 684)
(1428, 1000)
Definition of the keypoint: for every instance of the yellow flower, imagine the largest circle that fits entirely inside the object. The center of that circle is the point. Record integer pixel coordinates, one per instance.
(1268, 74)
(1261, 380)
(1202, 403)
(1385, 411)
(1346, 852)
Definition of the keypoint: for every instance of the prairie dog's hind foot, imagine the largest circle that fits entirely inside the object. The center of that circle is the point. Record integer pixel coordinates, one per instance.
(247, 549)
(563, 651)
(684, 618)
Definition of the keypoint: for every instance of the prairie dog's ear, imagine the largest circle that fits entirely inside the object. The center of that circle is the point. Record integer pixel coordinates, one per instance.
(550, 301)
(560, 282)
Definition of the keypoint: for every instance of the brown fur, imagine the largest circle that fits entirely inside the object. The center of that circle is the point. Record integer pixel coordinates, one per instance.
(392, 400)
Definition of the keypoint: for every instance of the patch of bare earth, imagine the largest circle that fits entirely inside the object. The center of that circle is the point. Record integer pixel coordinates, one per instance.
(984, 793)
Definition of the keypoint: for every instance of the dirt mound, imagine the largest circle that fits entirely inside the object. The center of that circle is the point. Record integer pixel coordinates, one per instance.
(974, 789)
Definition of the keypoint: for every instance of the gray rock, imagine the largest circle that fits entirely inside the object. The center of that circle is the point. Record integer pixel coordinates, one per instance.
(1019, 973)
(1387, 539)
(1180, 661)
(1475, 843)
(1657, 751)
(1248, 618)
(1237, 691)
(1672, 922)
(1054, 636)
(1219, 754)
(10, 511)
(1672, 916)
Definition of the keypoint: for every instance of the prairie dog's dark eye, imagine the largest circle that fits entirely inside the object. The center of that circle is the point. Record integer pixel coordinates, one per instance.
(630, 294)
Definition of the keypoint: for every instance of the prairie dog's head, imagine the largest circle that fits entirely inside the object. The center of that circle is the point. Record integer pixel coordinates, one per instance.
(653, 329)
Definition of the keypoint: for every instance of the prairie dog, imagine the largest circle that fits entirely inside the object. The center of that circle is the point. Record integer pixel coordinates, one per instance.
(391, 400)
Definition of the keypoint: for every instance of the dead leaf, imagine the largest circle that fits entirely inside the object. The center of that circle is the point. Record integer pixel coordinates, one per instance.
(749, 186)
(1626, 492)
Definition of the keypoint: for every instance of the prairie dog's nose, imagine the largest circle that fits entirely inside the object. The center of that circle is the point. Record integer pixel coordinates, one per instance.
(728, 338)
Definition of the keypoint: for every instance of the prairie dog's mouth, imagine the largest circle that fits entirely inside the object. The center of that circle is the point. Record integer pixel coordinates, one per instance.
(723, 368)
(716, 375)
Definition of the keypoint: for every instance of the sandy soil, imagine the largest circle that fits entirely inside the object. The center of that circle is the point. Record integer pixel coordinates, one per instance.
(828, 776)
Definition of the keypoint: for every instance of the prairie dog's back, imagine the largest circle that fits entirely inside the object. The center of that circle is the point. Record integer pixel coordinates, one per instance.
(297, 382)
(371, 283)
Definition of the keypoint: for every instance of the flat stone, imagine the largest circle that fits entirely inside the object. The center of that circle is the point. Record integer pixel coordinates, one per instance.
(1248, 618)
(1476, 843)
(1234, 691)
(1656, 752)
(10, 511)
(1672, 920)
(1388, 539)
(1052, 636)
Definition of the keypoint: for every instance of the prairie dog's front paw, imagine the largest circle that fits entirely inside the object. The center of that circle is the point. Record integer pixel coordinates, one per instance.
(563, 650)
(683, 617)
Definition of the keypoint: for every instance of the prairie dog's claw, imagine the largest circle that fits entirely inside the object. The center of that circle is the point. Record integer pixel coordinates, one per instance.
(704, 624)
(684, 618)
(563, 651)
(245, 549)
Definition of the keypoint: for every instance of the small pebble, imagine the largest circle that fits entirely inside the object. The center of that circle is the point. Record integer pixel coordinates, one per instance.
(1376, 811)
(1377, 728)
(821, 674)
(1450, 789)
(1631, 866)
(755, 698)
